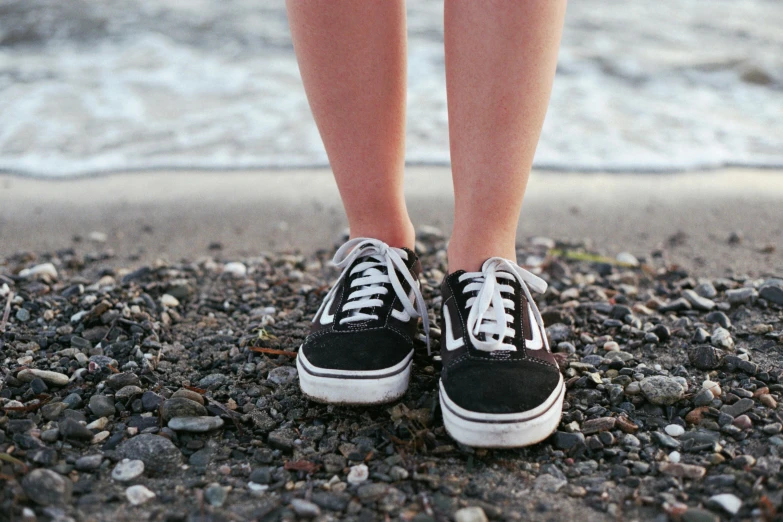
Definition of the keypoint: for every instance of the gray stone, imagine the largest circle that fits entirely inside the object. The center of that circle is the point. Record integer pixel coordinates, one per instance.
(195, 424)
(102, 406)
(262, 421)
(718, 317)
(262, 475)
(741, 295)
(127, 392)
(120, 380)
(212, 381)
(558, 333)
(678, 305)
(772, 290)
(565, 441)
(71, 429)
(73, 400)
(53, 410)
(703, 398)
(705, 357)
(698, 302)
(738, 408)
(305, 508)
(282, 375)
(371, 492)
(334, 463)
(159, 454)
(706, 290)
(549, 483)
(680, 470)
(282, 439)
(330, 501)
(89, 462)
(180, 407)
(22, 315)
(662, 332)
(662, 390)
(184, 393)
(665, 440)
(47, 488)
(216, 495)
(150, 401)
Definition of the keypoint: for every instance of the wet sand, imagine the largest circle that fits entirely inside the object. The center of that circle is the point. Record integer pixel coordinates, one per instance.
(181, 214)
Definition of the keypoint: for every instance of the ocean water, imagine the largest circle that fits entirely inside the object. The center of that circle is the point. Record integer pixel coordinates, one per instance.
(91, 86)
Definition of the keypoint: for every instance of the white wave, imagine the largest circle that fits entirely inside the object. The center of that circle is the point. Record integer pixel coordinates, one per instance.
(675, 84)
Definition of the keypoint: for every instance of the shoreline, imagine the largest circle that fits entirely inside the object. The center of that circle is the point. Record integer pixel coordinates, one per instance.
(182, 213)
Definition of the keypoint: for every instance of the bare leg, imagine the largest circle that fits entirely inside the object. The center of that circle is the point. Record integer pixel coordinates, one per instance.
(500, 62)
(352, 56)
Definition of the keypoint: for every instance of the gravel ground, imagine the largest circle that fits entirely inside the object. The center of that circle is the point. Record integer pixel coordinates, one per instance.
(169, 392)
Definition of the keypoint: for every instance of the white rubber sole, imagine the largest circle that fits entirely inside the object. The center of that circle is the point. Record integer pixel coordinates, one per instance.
(353, 387)
(503, 430)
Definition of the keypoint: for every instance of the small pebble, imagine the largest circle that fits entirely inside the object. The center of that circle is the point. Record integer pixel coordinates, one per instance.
(714, 387)
(728, 502)
(358, 474)
(675, 430)
(127, 470)
(47, 376)
(235, 269)
(138, 494)
(305, 508)
(470, 514)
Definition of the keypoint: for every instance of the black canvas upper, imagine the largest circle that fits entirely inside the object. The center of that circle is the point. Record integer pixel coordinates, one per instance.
(500, 381)
(367, 345)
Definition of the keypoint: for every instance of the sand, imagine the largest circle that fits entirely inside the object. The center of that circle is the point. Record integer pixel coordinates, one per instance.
(176, 215)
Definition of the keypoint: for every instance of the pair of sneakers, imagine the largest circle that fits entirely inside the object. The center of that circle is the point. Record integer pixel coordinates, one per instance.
(500, 386)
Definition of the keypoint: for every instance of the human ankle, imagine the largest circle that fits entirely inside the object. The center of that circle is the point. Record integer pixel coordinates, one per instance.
(471, 258)
(398, 237)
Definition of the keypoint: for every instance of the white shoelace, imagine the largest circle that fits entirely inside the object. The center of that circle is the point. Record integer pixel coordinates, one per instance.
(488, 309)
(377, 270)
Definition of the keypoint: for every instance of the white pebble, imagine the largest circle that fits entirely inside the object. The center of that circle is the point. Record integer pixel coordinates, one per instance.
(98, 424)
(29, 374)
(627, 258)
(235, 268)
(257, 488)
(100, 437)
(674, 456)
(730, 503)
(470, 514)
(714, 387)
(127, 469)
(675, 430)
(169, 301)
(97, 237)
(46, 269)
(358, 474)
(611, 346)
(138, 494)
(544, 242)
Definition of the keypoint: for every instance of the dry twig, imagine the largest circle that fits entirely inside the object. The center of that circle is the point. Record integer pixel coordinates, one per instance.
(272, 351)
(6, 312)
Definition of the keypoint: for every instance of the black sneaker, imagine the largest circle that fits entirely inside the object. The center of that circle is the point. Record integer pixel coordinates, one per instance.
(360, 348)
(500, 385)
